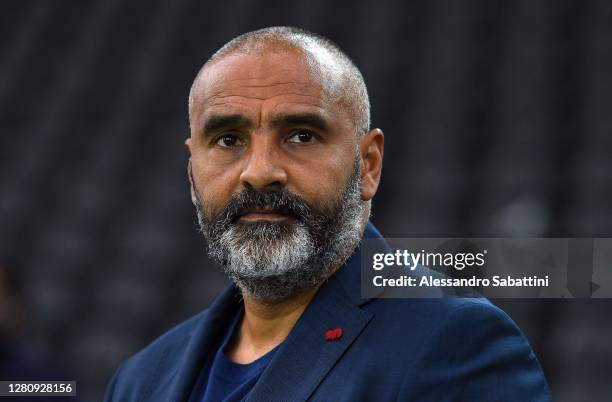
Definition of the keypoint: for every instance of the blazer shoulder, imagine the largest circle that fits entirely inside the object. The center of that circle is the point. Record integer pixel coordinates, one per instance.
(463, 318)
(131, 378)
(434, 311)
(174, 337)
(479, 350)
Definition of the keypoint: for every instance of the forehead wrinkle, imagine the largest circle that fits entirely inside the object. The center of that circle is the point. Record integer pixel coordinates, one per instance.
(308, 105)
(281, 109)
(214, 76)
(218, 72)
(255, 91)
(304, 85)
(264, 79)
(221, 86)
(293, 94)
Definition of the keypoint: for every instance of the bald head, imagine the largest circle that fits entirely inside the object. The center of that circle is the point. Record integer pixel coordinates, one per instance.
(338, 75)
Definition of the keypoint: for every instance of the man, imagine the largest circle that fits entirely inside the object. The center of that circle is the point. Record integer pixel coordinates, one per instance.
(283, 168)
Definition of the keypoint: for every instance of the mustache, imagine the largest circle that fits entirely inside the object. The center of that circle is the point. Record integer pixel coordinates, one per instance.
(281, 202)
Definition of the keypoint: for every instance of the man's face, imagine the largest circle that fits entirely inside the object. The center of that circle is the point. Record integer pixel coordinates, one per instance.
(264, 121)
(273, 164)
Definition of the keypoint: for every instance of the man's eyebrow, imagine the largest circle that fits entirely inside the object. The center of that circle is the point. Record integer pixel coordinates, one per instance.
(218, 122)
(298, 119)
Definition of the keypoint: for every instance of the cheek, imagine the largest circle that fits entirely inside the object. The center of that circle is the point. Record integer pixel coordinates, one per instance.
(322, 181)
(215, 185)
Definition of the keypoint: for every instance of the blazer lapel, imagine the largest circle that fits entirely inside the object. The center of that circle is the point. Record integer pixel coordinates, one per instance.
(306, 357)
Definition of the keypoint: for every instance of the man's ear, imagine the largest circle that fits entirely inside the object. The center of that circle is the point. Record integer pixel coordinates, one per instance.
(372, 149)
(190, 173)
(191, 185)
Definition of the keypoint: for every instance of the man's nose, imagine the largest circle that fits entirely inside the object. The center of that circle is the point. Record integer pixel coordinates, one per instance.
(263, 170)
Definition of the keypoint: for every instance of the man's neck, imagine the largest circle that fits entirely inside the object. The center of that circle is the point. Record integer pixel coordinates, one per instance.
(265, 325)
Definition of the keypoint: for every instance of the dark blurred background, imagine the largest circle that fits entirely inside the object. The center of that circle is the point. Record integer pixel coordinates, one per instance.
(498, 122)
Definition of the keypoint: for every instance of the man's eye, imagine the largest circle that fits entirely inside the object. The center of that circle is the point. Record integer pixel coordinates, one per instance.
(301, 137)
(228, 141)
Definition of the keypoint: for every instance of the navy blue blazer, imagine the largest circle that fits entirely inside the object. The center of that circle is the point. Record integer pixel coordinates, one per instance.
(433, 349)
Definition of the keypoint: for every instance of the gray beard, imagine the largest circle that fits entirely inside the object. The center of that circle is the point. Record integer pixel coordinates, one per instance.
(271, 261)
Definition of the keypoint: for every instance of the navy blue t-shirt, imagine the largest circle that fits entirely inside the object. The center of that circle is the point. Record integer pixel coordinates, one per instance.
(226, 381)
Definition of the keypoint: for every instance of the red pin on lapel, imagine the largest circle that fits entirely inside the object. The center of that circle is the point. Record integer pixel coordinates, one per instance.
(333, 334)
